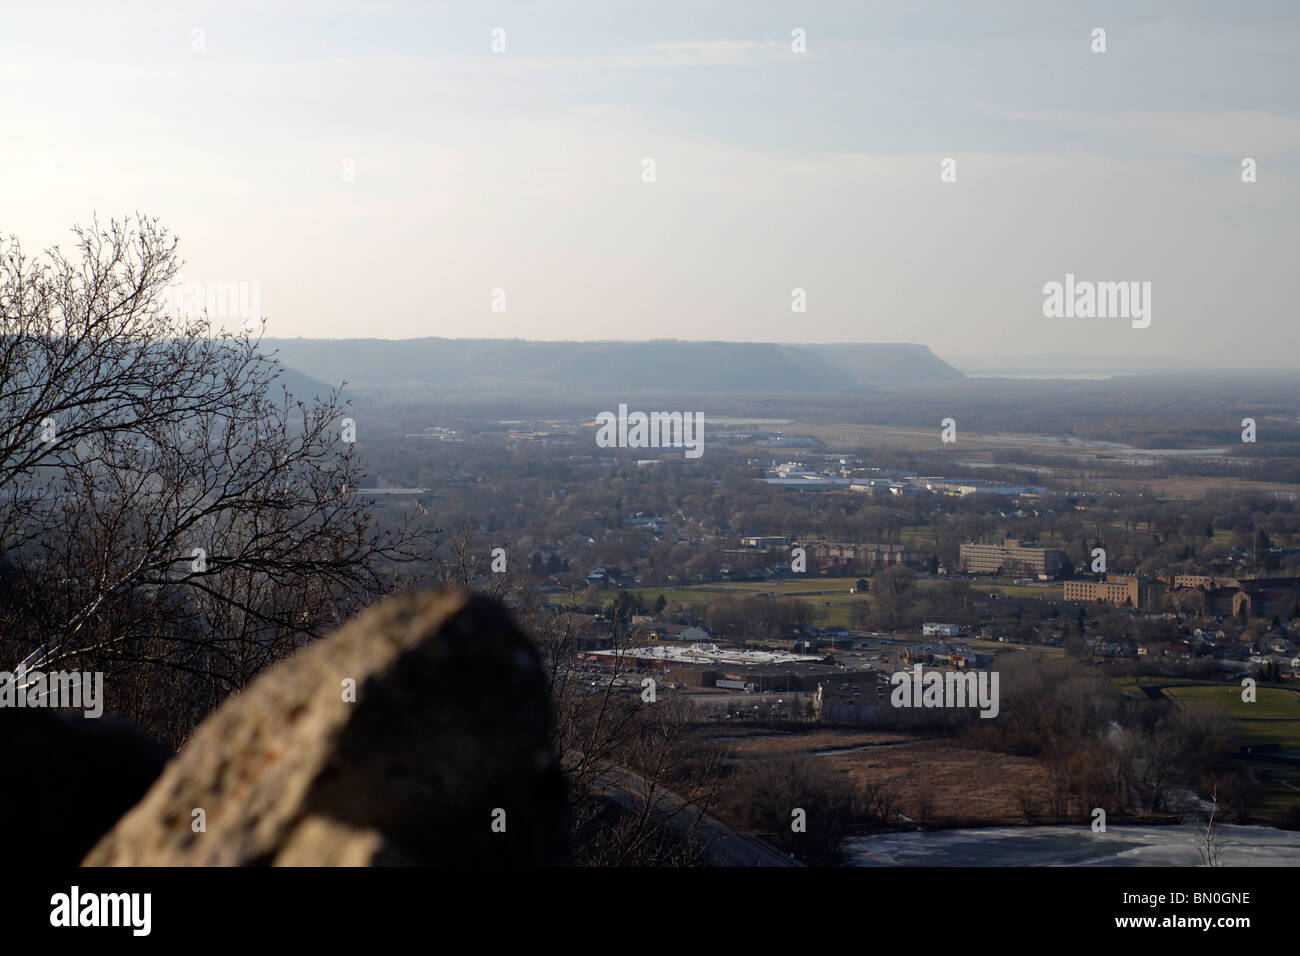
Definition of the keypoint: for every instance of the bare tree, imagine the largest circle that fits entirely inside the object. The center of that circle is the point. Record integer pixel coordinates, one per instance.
(1210, 848)
(880, 802)
(781, 790)
(465, 558)
(165, 516)
(924, 796)
(1028, 804)
(639, 782)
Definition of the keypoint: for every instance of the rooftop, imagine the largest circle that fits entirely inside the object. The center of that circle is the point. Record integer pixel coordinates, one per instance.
(709, 654)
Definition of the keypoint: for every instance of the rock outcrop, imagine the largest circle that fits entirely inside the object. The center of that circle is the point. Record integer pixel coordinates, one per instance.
(442, 757)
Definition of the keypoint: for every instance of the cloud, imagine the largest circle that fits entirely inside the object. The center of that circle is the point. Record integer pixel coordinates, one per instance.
(705, 53)
(1222, 133)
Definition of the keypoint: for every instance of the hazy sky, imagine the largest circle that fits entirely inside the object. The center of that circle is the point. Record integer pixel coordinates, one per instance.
(522, 170)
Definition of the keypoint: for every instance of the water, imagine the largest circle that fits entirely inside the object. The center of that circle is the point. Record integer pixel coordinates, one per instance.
(850, 750)
(1076, 846)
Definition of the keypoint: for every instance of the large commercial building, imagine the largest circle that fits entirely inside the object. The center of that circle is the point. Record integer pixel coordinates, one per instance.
(1010, 557)
(1252, 597)
(1116, 589)
(703, 665)
(864, 554)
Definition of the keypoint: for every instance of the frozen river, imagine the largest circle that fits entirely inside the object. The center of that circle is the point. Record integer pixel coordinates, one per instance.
(1076, 846)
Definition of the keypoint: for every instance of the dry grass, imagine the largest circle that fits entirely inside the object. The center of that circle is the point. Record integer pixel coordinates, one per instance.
(965, 786)
(756, 745)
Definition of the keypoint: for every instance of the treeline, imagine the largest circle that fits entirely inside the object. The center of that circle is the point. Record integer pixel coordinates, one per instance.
(1128, 756)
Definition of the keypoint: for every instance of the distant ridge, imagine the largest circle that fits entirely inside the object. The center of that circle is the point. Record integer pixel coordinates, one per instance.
(522, 367)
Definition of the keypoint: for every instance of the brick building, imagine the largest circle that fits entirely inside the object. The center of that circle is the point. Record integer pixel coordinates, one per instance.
(862, 555)
(1010, 557)
(1124, 590)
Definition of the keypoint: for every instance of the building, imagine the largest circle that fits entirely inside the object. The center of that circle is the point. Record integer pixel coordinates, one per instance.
(1010, 557)
(765, 542)
(704, 664)
(1248, 597)
(874, 486)
(940, 630)
(861, 699)
(679, 633)
(810, 483)
(847, 554)
(964, 489)
(945, 655)
(1116, 589)
(1203, 581)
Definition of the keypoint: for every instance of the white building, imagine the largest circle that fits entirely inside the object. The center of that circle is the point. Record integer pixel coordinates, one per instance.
(940, 630)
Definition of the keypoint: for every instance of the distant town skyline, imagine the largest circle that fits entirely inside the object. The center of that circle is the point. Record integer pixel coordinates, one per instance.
(400, 170)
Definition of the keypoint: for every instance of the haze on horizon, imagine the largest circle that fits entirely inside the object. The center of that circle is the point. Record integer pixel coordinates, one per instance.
(522, 170)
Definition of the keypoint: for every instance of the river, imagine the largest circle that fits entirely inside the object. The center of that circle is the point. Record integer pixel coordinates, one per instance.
(1076, 846)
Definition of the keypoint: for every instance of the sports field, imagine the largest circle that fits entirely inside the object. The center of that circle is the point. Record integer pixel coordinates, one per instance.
(1272, 721)
(832, 594)
(1274, 717)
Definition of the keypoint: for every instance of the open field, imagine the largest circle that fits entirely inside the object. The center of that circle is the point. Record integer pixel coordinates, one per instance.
(960, 785)
(1272, 721)
(831, 594)
(1274, 718)
(847, 435)
(817, 591)
(749, 743)
(908, 439)
(838, 588)
(1279, 791)
(850, 436)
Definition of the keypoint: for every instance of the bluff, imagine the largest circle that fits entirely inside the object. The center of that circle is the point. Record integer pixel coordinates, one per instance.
(520, 368)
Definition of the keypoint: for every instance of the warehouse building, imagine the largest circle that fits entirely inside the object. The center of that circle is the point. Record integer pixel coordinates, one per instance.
(703, 665)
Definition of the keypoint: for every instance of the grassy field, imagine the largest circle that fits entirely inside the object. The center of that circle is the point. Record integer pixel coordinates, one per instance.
(830, 593)
(1126, 685)
(1274, 717)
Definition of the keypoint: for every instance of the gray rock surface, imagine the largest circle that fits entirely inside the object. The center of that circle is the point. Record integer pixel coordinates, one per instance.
(451, 723)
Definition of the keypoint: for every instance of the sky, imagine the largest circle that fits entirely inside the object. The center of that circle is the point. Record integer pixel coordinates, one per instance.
(378, 170)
